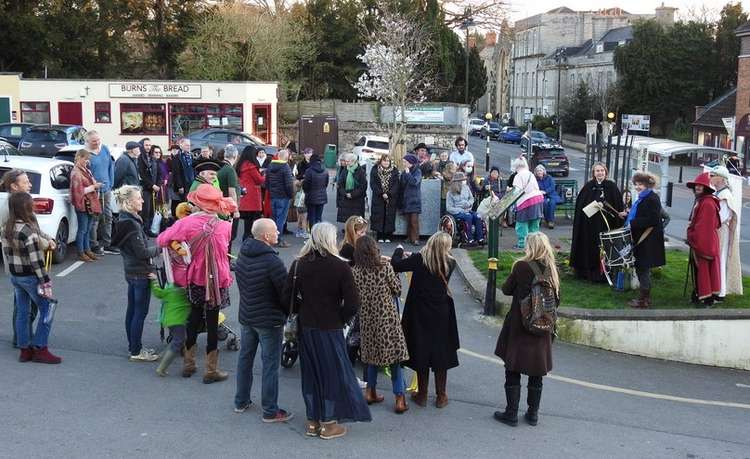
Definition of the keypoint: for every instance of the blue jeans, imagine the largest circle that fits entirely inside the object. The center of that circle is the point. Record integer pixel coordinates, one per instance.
(270, 355)
(280, 209)
(314, 214)
(549, 209)
(396, 378)
(26, 291)
(139, 297)
(83, 235)
(474, 221)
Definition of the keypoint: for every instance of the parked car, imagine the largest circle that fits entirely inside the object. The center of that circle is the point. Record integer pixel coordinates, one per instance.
(13, 132)
(538, 139)
(491, 130)
(46, 141)
(50, 189)
(219, 138)
(475, 126)
(554, 160)
(370, 148)
(511, 134)
(6, 150)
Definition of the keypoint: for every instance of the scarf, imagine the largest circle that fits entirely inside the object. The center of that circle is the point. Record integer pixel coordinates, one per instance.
(351, 182)
(385, 178)
(641, 196)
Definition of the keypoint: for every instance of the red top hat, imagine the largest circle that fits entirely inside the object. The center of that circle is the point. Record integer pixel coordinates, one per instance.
(702, 179)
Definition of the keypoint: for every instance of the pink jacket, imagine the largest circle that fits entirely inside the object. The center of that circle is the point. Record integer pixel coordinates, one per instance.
(189, 227)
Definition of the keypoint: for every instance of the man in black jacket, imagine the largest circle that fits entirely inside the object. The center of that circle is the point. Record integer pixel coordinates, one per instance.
(280, 184)
(260, 277)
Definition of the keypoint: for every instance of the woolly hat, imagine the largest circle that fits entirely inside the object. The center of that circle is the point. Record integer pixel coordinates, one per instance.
(721, 171)
(413, 160)
(209, 199)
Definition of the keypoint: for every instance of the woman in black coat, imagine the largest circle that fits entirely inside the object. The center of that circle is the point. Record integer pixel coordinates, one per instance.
(384, 182)
(429, 318)
(314, 184)
(521, 351)
(646, 229)
(351, 189)
(584, 249)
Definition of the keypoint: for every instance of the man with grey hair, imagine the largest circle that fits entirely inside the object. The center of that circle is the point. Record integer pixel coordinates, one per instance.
(102, 167)
(261, 277)
(229, 183)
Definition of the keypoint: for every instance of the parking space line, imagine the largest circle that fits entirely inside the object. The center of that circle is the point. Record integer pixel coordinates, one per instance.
(70, 269)
(620, 390)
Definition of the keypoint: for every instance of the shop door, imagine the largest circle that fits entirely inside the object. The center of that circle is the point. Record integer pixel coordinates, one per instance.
(4, 110)
(70, 113)
(262, 121)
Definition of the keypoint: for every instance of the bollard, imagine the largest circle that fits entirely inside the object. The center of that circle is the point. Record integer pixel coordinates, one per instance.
(670, 189)
(493, 243)
(679, 179)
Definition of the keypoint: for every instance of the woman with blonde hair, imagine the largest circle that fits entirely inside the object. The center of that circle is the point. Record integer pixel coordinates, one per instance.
(521, 351)
(354, 228)
(320, 287)
(429, 319)
(84, 195)
(129, 237)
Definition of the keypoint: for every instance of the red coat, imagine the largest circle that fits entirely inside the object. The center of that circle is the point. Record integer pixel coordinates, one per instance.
(251, 180)
(702, 232)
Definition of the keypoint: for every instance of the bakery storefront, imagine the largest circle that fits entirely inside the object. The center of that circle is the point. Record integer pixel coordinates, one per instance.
(161, 110)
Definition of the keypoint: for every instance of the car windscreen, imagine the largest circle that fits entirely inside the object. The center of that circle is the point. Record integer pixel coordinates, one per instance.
(34, 178)
(377, 144)
(45, 136)
(512, 129)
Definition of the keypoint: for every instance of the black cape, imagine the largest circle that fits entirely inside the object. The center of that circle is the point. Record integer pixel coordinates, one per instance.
(383, 213)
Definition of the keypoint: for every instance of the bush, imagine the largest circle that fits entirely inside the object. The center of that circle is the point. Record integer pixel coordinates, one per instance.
(541, 123)
(551, 132)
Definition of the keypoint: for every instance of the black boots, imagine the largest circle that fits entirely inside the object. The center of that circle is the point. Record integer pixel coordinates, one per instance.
(510, 415)
(533, 398)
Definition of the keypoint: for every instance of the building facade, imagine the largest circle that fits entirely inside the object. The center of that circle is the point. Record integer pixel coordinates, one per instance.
(123, 110)
(742, 108)
(553, 51)
(496, 56)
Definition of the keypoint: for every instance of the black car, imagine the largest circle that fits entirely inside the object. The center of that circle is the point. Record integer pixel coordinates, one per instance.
(47, 140)
(219, 138)
(491, 130)
(13, 132)
(554, 161)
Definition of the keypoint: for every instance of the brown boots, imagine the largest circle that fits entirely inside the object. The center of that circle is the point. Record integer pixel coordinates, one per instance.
(423, 380)
(371, 396)
(643, 301)
(189, 368)
(213, 374)
(441, 380)
(401, 407)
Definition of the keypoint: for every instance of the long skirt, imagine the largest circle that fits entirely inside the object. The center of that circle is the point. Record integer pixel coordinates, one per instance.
(329, 387)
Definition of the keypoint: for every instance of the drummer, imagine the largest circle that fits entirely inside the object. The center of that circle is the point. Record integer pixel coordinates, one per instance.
(584, 250)
(645, 222)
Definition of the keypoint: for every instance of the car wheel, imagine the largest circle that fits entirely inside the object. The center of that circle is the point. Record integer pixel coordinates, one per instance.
(61, 239)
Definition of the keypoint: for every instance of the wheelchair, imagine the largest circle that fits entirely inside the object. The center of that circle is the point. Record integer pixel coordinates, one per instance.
(460, 231)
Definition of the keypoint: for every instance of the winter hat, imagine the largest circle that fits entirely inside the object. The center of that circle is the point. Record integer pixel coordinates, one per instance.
(494, 168)
(721, 171)
(209, 199)
(421, 145)
(702, 179)
(131, 145)
(413, 160)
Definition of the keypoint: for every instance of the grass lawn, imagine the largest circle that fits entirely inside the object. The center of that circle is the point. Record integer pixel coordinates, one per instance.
(668, 283)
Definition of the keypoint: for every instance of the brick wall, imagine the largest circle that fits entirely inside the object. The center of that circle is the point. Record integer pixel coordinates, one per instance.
(743, 86)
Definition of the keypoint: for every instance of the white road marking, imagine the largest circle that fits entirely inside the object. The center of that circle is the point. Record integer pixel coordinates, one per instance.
(70, 269)
(744, 386)
(620, 390)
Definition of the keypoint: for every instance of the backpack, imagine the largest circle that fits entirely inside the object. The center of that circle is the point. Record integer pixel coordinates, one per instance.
(539, 307)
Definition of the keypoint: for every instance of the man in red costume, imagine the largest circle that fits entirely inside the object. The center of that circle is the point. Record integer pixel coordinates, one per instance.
(703, 239)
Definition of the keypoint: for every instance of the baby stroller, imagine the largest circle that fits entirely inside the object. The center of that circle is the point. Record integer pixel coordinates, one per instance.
(458, 230)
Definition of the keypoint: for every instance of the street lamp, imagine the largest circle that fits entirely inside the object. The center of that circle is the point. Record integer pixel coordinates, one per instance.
(487, 117)
(465, 24)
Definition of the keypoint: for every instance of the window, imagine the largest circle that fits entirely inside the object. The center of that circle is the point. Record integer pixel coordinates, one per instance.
(34, 177)
(143, 119)
(35, 112)
(186, 118)
(60, 176)
(102, 112)
(11, 131)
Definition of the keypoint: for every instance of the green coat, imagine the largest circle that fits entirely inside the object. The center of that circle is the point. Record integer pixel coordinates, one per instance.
(175, 306)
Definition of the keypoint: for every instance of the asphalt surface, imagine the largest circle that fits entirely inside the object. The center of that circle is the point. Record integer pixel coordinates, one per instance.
(682, 197)
(97, 404)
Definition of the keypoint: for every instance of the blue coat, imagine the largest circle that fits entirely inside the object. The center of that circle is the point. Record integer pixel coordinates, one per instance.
(411, 191)
(261, 276)
(547, 184)
(279, 180)
(315, 183)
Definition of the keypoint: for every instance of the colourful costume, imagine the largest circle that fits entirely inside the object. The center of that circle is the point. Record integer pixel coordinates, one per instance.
(703, 239)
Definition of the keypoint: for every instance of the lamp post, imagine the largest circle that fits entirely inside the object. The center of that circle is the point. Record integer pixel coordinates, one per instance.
(487, 117)
(465, 24)
(493, 247)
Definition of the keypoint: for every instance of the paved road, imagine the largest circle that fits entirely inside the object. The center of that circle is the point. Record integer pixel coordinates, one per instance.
(97, 404)
(682, 199)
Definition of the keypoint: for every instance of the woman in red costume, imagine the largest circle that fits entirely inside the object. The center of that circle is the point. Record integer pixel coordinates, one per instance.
(703, 239)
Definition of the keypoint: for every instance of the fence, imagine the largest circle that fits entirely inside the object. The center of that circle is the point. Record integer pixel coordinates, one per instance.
(364, 112)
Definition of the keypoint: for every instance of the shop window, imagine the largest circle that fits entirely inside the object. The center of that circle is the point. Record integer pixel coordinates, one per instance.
(186, 118)
(102, 112)
(143, 119)
(35, 112)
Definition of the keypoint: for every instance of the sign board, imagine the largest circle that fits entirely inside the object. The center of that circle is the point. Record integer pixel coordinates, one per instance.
(636, 122)
(155, 90)
(425, 115)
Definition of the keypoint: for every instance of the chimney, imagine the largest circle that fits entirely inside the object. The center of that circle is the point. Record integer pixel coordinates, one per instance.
(490, 39)
(665, 15)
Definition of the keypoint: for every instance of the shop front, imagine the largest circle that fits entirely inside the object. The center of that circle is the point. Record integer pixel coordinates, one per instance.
(161, 110)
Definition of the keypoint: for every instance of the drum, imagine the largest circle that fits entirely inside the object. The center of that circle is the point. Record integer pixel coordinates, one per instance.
(617, 246)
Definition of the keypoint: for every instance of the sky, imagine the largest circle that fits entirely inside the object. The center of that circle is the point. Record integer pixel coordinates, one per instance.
(524, 8)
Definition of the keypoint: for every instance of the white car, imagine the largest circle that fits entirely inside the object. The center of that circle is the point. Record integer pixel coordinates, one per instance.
(69, 153)
(370, 148)
(50, 189)
(475, 126)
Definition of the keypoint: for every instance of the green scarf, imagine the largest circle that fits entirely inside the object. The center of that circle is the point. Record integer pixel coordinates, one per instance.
(351, 183)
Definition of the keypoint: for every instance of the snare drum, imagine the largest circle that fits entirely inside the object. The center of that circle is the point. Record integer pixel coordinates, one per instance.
(617, 246)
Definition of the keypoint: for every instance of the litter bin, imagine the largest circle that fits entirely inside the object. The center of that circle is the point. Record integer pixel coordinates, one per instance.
(330, 156)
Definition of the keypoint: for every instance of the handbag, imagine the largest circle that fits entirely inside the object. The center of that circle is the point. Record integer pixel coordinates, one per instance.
(299, 199)
(291, 327)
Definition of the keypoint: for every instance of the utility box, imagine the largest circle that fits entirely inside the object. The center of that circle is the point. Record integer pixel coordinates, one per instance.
(317, 132)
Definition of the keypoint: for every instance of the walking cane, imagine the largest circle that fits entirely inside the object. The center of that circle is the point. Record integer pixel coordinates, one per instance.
(687, 273)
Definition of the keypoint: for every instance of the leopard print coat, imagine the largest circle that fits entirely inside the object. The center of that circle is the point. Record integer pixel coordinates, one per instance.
(382, 338)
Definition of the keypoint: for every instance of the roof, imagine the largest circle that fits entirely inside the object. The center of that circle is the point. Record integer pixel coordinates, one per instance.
(669, 148)
(722, 107)
(31, 163)
(743, 29)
